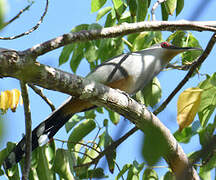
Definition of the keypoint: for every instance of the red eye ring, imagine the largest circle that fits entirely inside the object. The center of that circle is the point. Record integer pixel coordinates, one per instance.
(165, 44)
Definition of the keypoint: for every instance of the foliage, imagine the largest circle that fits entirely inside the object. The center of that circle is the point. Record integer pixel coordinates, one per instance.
(80, 155)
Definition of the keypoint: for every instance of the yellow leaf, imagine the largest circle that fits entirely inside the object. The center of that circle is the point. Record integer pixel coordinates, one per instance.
(5, 100)
(15, 99)
(187, 106)
(10, 99)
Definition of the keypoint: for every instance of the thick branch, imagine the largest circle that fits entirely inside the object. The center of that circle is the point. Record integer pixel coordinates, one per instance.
(100, 95)
(120, 30)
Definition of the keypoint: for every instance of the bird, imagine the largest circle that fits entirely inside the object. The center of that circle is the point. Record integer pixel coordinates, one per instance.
(128, 72)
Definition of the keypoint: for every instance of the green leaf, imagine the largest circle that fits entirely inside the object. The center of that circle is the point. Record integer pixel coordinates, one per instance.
(63, 163)
(80, 131)
(93, 173)
(189, 56)
(208, 99)
(114, 117)
(169, 176)
(132, 7)
(150, 174)
(90, 114)
(152, 93)
(209, 165)
(77, 56)
(91, 153)
(117, 3)
(124, 169)
(80, 28)
(143, 40)
(205, 134)
(12, 173)
(110, 21)
(185, 135)
(65, 54)
(43, 170)
(105, 141)
(180, 5)
(73, 121)
(116, 44)
(3, 8)
(153, 141)
(204, 175)
(142, 8)
(164, 12)
(132, 174)
(91, 52)
(126, 17)
(177, 38)
(96, 5)
(170, 6)
(103, 12)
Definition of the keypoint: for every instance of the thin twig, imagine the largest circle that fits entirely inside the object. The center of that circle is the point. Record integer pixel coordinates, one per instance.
(28, 124)
(184, 67)
(32, 29)
(86, 145)
(112, 146)
(197, 63)
(40, 93)
(154, 7)
(18, 15)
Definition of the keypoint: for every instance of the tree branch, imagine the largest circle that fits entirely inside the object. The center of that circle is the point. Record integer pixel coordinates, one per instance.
(18, 66)
(41, 94)
(30, 30)
(119, 30)
(28, 124)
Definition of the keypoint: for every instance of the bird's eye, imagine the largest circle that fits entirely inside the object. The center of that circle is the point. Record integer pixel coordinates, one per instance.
(165, 44)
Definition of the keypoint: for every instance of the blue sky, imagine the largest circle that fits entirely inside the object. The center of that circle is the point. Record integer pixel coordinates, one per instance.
(62, 16)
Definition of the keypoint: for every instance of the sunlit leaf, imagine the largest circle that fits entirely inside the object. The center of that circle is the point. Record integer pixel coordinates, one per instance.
(3, 9)
(117, 3)
(91, 153)
(97, 4)
(170, 6)
(123, 170)
(150, 174)
(189, 56)
(43, 170)
(143, 40)
(187, 106)
(208, 101)
(73, 121)
(114, 117)
(62, 164)
(187, 133)
(103, 12)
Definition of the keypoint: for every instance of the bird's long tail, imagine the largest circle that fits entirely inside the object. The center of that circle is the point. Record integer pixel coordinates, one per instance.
(47, 129)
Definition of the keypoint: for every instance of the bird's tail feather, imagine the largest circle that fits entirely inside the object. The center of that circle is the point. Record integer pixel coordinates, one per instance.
(40, 135)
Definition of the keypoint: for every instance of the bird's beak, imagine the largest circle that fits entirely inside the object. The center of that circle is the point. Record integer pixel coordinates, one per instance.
(184, 48)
